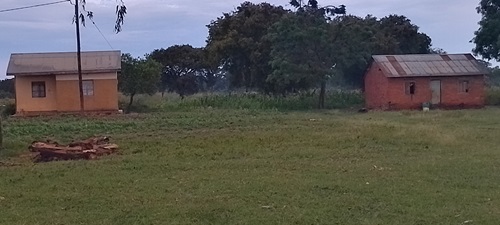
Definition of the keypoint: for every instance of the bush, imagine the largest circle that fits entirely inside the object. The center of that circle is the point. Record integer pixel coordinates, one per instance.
(254, 101)
(9, 109)
(493, 96)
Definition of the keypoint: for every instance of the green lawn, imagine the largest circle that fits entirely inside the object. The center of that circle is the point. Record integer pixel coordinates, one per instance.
(260, 167)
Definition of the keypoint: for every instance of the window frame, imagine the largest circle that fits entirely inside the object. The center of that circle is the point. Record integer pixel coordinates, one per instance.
(464, 86)
(40, 91)
(86, 90)
(408, 87)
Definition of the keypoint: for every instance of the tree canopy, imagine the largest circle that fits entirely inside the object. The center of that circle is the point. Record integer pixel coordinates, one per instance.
(236, 43)
(266, 48)
(487, 37)
(303, 53)
(357, 39)
(138, 76)
(186, 69)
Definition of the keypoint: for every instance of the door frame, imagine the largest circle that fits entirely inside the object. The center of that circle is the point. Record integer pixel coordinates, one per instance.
(440, 91)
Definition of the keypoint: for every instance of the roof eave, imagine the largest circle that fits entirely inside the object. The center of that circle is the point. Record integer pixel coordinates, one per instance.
(437, 75)
(64, 72)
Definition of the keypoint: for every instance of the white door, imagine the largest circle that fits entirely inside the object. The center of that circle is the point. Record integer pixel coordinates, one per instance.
(436, 92)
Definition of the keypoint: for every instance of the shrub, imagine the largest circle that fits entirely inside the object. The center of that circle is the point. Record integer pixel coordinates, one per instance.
(493, 96)
(9, 109)
(254, 101)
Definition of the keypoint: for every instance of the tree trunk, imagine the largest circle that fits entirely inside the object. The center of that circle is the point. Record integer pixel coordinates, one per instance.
(130, 102)
(321, 103)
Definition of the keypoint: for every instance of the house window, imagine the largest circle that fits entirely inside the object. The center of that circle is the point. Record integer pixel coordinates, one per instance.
(88, 87)
(463, 86)
(38, 89)
(410, 88)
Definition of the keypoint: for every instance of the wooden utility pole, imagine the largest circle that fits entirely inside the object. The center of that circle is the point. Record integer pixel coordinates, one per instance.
(79, 56)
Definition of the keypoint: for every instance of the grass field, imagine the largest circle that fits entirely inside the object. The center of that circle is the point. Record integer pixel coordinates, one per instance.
(212, 166)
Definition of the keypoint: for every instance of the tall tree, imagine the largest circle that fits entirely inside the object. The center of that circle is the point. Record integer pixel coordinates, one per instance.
(138, 76)
(302, 47)
(360, 38)
(404, 36)
(178, 61)
(487, 37)
(236, 42)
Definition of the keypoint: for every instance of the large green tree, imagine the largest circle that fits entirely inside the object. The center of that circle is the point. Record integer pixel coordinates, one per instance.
(138, 76)
(303, 47)
(360, 38)
(186, 69)
(404, 36)
(236, 43)
(487, 38)
(180, 63)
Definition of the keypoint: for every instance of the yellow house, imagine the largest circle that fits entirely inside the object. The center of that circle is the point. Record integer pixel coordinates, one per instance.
(48, 82)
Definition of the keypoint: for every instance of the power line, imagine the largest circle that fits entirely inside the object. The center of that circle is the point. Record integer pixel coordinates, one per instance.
(33, 6)
(101, 33)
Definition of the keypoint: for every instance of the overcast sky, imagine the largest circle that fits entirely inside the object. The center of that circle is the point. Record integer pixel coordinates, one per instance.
(153, 24)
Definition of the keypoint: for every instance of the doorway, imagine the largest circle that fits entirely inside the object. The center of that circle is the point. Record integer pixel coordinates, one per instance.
(436, 92)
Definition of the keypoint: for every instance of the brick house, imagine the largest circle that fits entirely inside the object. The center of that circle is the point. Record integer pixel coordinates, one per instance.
(48, 82)
(407, 81)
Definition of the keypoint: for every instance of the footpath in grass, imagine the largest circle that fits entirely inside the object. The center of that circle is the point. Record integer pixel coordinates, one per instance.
(260, 167)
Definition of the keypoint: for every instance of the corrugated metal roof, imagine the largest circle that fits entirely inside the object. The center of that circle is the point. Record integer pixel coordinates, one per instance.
(63, 63)
(417, 65)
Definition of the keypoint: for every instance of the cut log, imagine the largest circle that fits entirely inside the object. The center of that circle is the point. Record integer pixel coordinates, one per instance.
(87, 149)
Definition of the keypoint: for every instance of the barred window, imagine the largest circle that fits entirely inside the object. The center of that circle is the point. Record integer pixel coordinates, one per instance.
(463, 86)
(410, 88)
(38, 89)
(88, 87)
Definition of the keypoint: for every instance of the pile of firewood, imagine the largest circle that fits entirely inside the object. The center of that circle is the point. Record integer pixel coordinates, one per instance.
(87, 149)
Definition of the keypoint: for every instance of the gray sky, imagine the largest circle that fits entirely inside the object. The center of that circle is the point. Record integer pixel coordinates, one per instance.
(153, 24)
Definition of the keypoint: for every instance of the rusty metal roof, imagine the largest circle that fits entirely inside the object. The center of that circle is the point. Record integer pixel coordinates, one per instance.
(429, 65)
(63, 63)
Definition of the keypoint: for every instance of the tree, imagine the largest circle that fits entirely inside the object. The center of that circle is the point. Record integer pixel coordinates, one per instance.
(406, 38)
(179, 61)
(121, 11)
(302, 47)
(7, 88)
(138, 76)
(487, 37)
(357, 39)
(236, 43)
(493, 78)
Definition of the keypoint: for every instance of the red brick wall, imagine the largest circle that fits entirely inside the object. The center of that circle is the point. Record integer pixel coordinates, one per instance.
(376, 85)
(389, 93)
(400, 100)
(451, 97)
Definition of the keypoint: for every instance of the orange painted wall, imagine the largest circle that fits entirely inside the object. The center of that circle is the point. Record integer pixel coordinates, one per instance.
(68, 96)
(24, 100)
(105, 96)
(63, 96)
